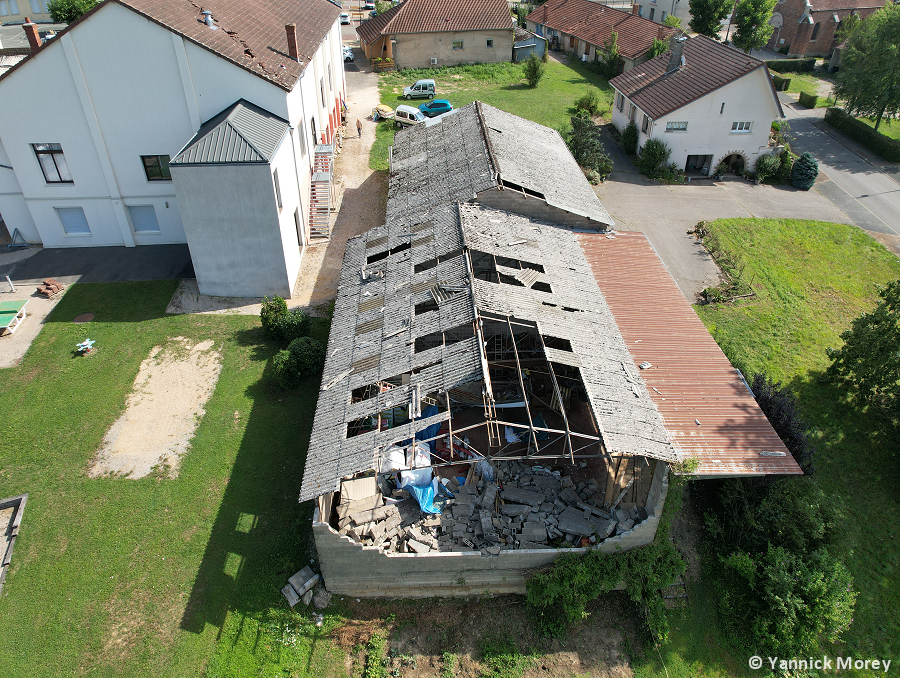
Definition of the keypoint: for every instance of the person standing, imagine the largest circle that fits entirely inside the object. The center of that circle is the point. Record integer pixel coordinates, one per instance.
(359, 128)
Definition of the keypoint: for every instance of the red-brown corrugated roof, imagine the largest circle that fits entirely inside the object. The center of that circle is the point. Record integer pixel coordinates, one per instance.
(690, 379)
(595, 23)
(437, 16)
(708, 65)
(371, 29)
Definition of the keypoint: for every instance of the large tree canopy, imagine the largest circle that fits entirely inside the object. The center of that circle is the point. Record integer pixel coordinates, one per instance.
(66, 11)
(751, 21)
(707, 15)
(869, 79)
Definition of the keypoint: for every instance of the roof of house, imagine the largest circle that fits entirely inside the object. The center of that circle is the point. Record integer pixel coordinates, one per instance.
(249, 33)
(707, 65)
(437, 16)
(834, 5)
(706, 406)
(595, 23)
(375, 327)
(242, 133)
(480, 148)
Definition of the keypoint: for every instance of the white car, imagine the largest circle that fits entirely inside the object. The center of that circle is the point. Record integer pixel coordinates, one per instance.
(348, 53)
(345, 18)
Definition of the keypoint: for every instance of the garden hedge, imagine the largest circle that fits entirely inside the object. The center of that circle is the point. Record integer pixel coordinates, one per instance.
(781, 84)
(878, 143)
(791, 65)
(808, 100)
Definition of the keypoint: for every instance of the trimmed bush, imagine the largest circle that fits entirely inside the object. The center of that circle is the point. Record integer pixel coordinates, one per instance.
(589, 102)
(781, 84)
(804, 172)
(534, 70)
(279, 323)
(808, 100)
(304, 357)
(630, 139)
(791, 65)
(787, 162)
(654, 154)
(271, 311)
(878, 143)
(767, 166)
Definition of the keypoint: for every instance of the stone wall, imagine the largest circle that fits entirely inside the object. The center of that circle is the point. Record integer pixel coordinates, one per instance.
(351, 569)
(416, 50)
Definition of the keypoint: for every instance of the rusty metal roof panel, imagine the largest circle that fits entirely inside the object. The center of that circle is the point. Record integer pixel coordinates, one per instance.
(691, 380)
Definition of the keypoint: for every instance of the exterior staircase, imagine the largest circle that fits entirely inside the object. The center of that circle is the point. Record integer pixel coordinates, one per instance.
(321, 194)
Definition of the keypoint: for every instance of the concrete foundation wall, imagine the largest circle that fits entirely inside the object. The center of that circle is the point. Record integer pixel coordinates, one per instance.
(514, 201)
(366, 572)
(415, 50)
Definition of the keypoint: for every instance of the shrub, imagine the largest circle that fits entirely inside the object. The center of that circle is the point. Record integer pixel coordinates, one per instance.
(767, 166)
(589, 102)
(782, 410)
(808, 100)
(303, 358)
(778, 83)
(293, 325)
(784, 49)
(804, 172)
(630, 138)
(270, 313)
(791, 65)
(786, 163)
(67, 11)
(583, 140)
(878, 143)
(534, 70)
(654, 154)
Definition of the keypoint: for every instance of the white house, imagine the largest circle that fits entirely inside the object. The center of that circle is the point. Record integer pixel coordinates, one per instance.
(90, 122)
(710, 103)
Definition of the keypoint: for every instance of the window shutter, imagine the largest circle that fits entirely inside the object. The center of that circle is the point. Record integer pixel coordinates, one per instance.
(143, 218)
(73, 221)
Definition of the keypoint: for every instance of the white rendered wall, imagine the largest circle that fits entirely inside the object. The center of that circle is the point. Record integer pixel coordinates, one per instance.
(12, 203)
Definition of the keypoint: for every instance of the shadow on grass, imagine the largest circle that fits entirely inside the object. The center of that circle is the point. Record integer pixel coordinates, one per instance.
(115, 302)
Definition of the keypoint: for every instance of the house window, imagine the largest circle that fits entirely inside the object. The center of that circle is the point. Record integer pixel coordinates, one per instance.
(652, 12)
(8, 7)
(632, 112)
(298, 224)
(815, 33)
(457, 44)
(301, 138)
(620, 102)
(741, 126)
(676, 127)
(143, 218)
(322, 90)
(156, 167)
(38, 7)
(330, 83)
(277, 188)
(722, 110)
(73, 220)
(645, 124)
(53, 163)
(490, 43)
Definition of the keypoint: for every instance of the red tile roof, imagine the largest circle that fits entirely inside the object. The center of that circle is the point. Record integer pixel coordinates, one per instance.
(708, 65)
(250, 33)
(595, 23)
(371, 29)
(690, 380)
(437, 16)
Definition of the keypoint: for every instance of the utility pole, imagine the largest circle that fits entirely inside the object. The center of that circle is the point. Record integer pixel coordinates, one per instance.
(731, 16)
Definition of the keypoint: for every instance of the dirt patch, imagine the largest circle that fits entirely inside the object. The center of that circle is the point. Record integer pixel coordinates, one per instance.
(162, 412)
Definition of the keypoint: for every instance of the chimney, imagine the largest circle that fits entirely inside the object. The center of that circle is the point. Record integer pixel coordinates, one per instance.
(636, 9)
(31, 32)
(293, 52)
(676, 46)
(661, 33)
(208, 19)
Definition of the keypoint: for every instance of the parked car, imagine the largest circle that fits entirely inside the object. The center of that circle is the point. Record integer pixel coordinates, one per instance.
(345, 18)
(421, 88)
(436, 107)
(348, 54)
(406, 116)
(369, 5)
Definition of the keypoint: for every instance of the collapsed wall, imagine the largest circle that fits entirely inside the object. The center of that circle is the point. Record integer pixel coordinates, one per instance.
(353, 569)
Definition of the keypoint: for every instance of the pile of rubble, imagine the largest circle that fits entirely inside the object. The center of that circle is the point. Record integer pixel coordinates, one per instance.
(521, 507)
(50, 288)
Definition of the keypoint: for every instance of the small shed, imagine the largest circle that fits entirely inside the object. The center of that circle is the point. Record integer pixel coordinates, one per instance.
(528, 43)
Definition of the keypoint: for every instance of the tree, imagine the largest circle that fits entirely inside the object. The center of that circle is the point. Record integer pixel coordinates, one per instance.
(658, 47)
(630, 138)
(869, 78)
(584, 143)
(672, 21)
(534, 70)
(707, 15)
(752, 27)
(522, 11)
(67, 11)
(654, 154)
(804, 171)
(870, 358)
(846, 27)
(611, 56)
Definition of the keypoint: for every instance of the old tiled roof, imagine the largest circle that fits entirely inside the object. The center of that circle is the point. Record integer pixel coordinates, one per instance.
(242, 133)
(708, 65)
(249, 33)
(834, 5)
(480, 151)
(370, 30)
(595, 23)
(435, 16)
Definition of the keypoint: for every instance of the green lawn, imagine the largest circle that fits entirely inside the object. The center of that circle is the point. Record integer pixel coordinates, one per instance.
(500, 85)
(152, 577)
(889, 128)
(806, 82)
(811, 280)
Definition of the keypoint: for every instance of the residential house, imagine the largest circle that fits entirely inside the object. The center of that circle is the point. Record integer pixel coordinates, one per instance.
(220, 137)
(526, 44)
(708, 102)
(19, 11)
(808, 28)
(468, 329)
(423, 33)
(586, 28)
(658, 10)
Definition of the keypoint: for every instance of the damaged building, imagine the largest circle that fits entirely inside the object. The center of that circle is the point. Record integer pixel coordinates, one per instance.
(480, 409)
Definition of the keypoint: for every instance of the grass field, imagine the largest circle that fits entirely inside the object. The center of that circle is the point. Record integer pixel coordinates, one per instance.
(500, 85)
(119, 577)
(889, 128)
(811, 280)
(805, 82)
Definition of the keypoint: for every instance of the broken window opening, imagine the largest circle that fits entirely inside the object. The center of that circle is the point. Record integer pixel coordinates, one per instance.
(372, 258)
(445, 338)
(521, 189)
(558, 343)
(542, 287)
(431, 263)
(426, 307)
